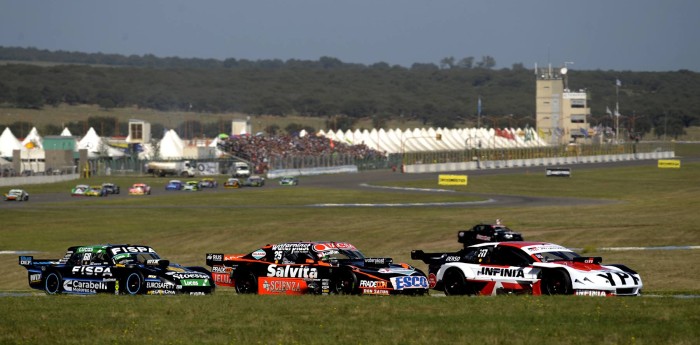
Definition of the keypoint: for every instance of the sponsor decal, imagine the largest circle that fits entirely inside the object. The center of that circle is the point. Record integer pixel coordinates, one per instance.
(81, 286)
(322, 247)
(544, 248)
(215, 257)
(373, 284)
(25, 260)
(220, 269)
(282, 286)
(292, 272)
(160, 285)
(191, 275)
(131, 249)
(432, 280)
(452, 258)
(293, 247)
(35, 277)
(558, 172)
(502, 272)
(396, 270)
(378, 261)
(452, 180)
(197, 293)
(194, 282)
(621, 276)
(153, 262)
(259, 254)
(160, 292)
(222, 278)
(85, 250)
(375, 292)
(590, 293)
(231, 257)
(483, 237)
(93, 271)
(409, 282)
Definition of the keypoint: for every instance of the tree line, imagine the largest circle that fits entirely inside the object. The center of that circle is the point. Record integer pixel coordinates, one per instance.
(437, 95)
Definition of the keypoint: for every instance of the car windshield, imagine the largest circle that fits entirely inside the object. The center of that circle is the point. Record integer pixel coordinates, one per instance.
(132, 258)
(342, 254)
(556, 256)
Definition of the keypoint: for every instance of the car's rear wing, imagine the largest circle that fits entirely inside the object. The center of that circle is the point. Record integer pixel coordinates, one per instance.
(215, 259)
(29, 262)
(432, 258)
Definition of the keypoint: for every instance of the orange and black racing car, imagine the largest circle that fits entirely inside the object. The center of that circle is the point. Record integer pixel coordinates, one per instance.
(296, 268)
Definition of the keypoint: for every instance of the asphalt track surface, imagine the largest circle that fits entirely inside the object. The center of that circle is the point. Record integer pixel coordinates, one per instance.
(365, 180)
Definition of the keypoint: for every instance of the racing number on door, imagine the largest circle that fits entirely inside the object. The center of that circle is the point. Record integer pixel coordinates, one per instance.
(483, 253)
(278, 255)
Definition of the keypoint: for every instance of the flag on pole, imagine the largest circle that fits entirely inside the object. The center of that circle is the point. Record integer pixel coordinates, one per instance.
(478, 107)
(617, 114)
(618, 83)
(608, 111)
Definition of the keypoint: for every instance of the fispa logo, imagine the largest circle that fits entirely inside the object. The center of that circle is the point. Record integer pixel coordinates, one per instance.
(93, 271)
(292, 272)
(117, 250)
(409, 282)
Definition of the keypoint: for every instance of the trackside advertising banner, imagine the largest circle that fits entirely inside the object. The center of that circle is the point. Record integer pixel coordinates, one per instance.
(669, 163)
(558, 172)
(452, 180)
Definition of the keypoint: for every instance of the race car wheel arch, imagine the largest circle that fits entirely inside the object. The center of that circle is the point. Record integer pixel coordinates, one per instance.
(246, 282)
(344, 282)
(454, 282)
(556, 282)
(134, 283)
(52, 283)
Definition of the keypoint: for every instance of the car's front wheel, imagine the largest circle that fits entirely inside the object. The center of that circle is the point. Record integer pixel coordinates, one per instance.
(556, 282)
(52, 283)
(345, 283)
(246, 282)
(134, 283)
(454, 282)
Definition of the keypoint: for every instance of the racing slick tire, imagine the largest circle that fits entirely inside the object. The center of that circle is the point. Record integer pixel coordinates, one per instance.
(556, 282)
(52, 283)
(344, 283)
(455, 283)
(134, 283)
(246, 282)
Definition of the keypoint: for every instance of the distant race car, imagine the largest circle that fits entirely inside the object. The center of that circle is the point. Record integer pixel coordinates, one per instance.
(253, 181)
(174, 185)
(117, 269)
(79, 190)
(232, 183)
(526, 268)
(111, 188)
(296, 268)
(17, 195)
(192, 186)
(289, 181)
(482, 233)
(96, 191)
(208, 183)
(140, 189)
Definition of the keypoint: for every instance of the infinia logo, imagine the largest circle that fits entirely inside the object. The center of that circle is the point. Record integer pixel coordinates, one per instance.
(292, 272)
(502, 272)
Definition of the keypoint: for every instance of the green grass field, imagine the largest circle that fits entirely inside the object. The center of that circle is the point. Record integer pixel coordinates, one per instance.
(650, 207)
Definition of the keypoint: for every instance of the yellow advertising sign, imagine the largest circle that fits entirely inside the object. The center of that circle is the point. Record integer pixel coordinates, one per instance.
(452, 180)
(670, 163)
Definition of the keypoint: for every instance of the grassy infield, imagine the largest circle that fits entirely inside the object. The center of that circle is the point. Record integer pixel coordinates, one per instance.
(654, 207)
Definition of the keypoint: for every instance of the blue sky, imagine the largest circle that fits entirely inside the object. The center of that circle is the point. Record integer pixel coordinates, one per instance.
(637, 35)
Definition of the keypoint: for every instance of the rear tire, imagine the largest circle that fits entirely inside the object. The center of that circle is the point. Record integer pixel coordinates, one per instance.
(246, 283)
(52, 283)
(556, 282)
(454, 282)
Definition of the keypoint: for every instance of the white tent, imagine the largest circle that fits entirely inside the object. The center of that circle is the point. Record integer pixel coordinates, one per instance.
(34, 138)
(8, 143)
(66, 133)
(171, 146)
(96, 147)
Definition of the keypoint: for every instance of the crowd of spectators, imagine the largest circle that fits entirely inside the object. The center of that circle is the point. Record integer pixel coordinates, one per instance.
(259, 149)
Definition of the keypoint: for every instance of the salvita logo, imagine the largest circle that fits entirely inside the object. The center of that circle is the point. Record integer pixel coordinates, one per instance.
(409, 282)
(292, 272)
